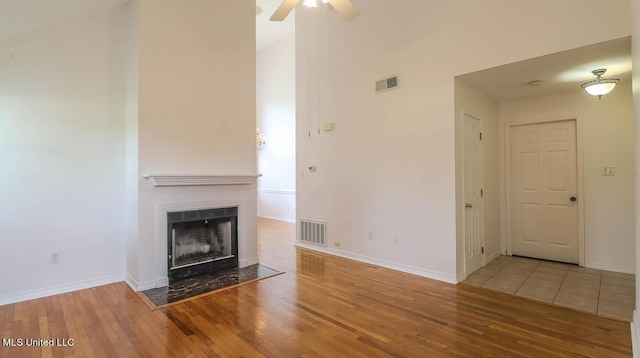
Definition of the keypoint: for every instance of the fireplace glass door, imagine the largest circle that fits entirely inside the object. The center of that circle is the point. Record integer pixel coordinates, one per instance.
(200, 241)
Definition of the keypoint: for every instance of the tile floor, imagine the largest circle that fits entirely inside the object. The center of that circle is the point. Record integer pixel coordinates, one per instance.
(608, 294)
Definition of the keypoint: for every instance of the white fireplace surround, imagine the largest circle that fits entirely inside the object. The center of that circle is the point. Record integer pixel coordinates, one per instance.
(161, 234)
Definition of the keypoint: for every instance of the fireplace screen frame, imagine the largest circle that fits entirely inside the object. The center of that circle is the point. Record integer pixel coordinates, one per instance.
(210, 265)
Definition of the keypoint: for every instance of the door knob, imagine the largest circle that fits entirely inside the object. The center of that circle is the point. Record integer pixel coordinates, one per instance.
(468, 206)
(573, 198)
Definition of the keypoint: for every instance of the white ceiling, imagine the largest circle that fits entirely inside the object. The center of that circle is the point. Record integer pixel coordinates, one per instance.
(560, 72)
(20, 16)
(269, 32)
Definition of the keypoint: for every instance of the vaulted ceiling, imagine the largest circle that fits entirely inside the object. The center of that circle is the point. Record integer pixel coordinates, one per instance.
(559, 72)
(269, 32)
(21, 16)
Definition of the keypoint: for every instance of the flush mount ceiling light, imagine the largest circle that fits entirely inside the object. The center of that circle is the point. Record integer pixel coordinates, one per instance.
(344, 7)
(600, 86)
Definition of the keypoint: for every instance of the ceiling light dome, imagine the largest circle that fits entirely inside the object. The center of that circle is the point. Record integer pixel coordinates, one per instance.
(600, 86)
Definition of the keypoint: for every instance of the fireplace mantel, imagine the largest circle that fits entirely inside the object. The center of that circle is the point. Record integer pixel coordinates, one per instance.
(193, 180)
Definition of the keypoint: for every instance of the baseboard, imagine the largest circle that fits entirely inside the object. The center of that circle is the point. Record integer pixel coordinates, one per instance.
(248, 262)
(162, 281)
(277, 191)
(58, 289)
(635, 334)
(277, 218)
(613, 268)
(145, 285)
(440, 276)
(461, 277)
(133, 284)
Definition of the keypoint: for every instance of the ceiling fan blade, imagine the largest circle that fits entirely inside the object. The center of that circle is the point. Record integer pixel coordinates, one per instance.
(345, 8)
(284, 10)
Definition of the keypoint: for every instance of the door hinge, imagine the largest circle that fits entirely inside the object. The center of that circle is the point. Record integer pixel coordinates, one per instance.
(480, 135)
(483, 249)
(481, 192)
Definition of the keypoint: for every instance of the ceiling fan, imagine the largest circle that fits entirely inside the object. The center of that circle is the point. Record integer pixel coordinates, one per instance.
(344, 7)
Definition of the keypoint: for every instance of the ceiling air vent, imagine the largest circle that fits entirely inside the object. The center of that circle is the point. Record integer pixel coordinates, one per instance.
(387, 84)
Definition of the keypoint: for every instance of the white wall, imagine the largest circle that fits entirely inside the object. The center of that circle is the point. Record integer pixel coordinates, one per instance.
(62, 157)
(276, 118)
(196, 87)
(606, 131)
(472, 102)
(195, 115)
(389, 168)
(635, 49)
(88, 106)
(131, 141)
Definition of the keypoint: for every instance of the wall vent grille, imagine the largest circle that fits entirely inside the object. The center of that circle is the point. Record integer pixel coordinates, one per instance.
(387, 84)
(313, 232)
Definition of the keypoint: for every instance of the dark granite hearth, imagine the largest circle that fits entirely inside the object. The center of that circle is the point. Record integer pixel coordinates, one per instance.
(191, 287)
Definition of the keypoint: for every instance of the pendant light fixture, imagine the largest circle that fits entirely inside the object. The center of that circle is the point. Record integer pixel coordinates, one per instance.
(600, 86)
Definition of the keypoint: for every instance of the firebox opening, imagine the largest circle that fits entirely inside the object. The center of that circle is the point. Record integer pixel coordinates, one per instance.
(202, 241)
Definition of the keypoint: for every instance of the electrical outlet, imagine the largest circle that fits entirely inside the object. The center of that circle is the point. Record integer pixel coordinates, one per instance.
(336, 243)
(396, 241)
(370, 236)
(55, 257)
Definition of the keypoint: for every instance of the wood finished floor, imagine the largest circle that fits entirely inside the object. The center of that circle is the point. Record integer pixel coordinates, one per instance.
(323, 306)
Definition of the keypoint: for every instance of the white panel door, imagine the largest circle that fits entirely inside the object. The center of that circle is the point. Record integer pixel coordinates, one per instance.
(544, 213)
(473, 212)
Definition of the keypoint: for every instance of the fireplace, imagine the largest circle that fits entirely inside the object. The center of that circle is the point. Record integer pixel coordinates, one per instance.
(201, 242)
